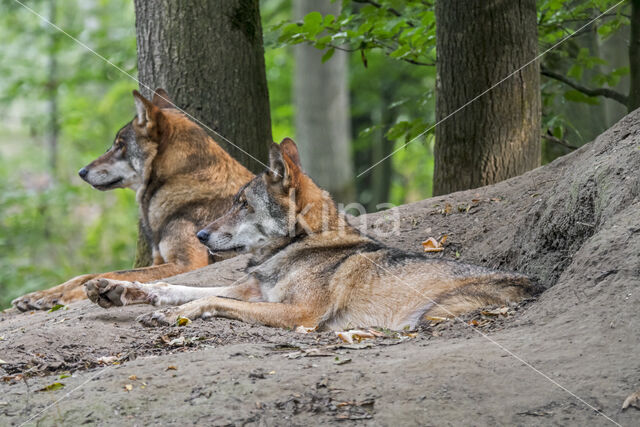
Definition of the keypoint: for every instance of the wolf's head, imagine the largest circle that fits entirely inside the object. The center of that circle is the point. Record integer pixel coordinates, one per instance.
(276, 206)
(122, 166)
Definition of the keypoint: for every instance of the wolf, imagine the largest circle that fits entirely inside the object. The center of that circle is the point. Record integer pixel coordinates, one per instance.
(183, 180)
(309, 267)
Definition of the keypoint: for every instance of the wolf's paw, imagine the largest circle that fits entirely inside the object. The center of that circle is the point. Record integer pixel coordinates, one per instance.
(39, 300)
(164, 317)
(65, 293)
(109, 293)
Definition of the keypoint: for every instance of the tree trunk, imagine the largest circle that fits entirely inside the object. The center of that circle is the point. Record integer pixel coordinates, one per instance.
(634, 57)
(209, 57)
(322, 118)
(497, 136)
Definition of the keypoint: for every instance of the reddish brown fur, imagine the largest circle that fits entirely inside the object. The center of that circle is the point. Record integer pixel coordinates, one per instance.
(188, 181)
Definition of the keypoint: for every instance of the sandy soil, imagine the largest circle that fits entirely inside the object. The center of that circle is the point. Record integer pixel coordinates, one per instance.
(569, 358)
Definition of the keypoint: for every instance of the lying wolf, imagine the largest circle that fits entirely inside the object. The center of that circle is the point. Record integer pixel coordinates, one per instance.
(311, 268)
(183, 181)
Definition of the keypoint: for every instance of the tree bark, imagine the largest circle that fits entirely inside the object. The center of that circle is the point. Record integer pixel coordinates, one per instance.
(209, 56)
(480, 42)
(322, 118)
(634, 57)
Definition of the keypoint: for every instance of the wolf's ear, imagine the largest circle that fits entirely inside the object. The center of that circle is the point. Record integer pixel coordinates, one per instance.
(282, 170)
(161, 99)
(145, 110)
(290, 149)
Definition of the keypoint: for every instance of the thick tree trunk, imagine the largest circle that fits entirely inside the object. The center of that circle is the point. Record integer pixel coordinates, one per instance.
(634, 57)
(480, 42)
(209, 57)
(322, 119)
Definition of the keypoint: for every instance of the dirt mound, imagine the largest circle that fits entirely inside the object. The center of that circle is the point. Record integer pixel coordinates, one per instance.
(573, 225)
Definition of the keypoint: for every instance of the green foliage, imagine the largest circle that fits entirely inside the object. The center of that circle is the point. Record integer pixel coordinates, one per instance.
(578, 57)
(405, 31)
(53, 226)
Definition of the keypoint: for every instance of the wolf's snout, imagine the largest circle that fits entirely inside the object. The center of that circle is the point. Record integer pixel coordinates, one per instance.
(203, 236)
(83, 172)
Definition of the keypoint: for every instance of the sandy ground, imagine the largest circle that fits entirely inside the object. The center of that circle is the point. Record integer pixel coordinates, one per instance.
(571, 357)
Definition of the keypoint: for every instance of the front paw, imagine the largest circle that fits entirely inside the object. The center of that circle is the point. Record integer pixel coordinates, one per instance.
(109, 293)
(39, 300)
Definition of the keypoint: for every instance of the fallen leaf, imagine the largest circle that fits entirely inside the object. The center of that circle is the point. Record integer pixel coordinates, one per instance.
(305, 330)
(57, 307)
(128, 387)
(133, 377)
(106, 359)
(52, 387)
(178, 342)
(473, 322)
(496, 312)
(63, 376)
(432, 245)
(339, 361)
(183, 321)
(172, 368)
(2, 362)
(436, 319)
(632, 400)
(354, 335)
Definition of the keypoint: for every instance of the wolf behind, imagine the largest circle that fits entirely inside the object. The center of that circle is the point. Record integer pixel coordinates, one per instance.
(183, 181)
(310, 268)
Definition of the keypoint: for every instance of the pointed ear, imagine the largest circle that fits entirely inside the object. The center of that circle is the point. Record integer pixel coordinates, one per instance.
(290, 149)
(146, 112)
(282, 171)
(161, 99)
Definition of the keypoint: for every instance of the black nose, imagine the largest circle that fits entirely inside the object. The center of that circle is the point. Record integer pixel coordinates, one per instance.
(203, 236)
(83, 172)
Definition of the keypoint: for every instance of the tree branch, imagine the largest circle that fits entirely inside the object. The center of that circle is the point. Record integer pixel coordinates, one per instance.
(388, 9)
(605, 92)
(549, 137)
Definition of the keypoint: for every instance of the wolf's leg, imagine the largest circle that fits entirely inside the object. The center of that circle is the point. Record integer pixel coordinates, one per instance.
(266, 313)
(72, 290)
(65, 293)
(109, 292)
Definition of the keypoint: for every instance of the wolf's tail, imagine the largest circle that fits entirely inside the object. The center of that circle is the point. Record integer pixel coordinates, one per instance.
(491, 289)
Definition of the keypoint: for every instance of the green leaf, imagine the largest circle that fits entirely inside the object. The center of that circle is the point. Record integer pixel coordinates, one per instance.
(57, 307)
(52, 387)
(575, 96)
(327, 55)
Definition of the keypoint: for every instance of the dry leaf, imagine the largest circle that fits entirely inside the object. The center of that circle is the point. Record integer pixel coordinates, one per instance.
(133, 377)
(354, 335)
(128, 387)
(632, 400)
(172, 368)
(436, 319)
(2, 362)
(106, 359)
(497, 312)
(183, 321)
(432, 245)
(339, 361)
(305, 330)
